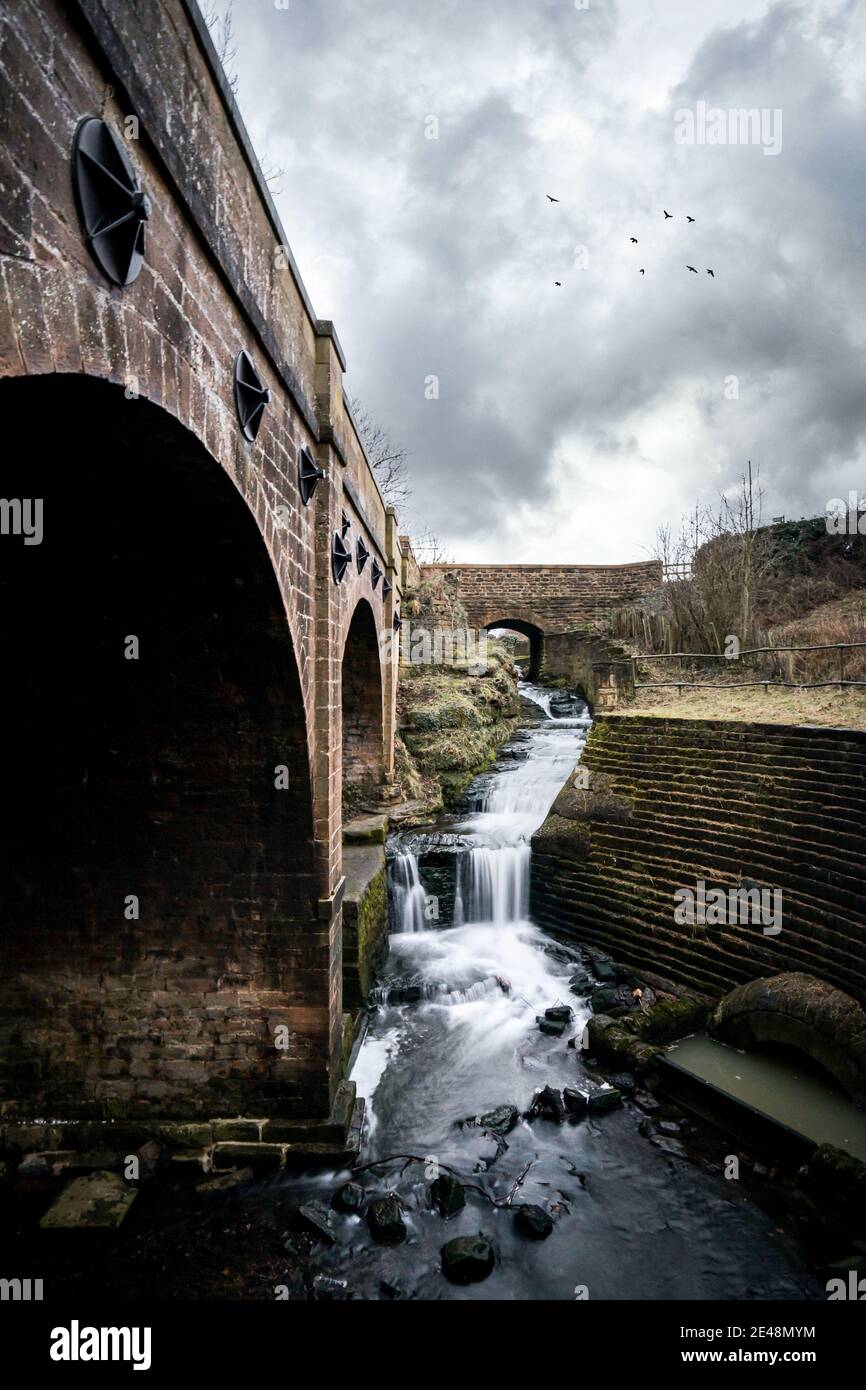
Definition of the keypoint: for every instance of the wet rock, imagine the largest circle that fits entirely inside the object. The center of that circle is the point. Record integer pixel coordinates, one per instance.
(575, 1101)
(405, 994)
(315, 1219)
(533, 1222)
(559, 1013)
(98, 1201)
(581, 982)
(604, 1099)
(328, 1290)
(548, 1104)
(447, 1195)
(385, 1220)
(669, 1127)
(501, 1120)
(552, 1027)
(224, 1184)
(647, 1101)
(467, 1259)
(607, 997)
(604, 970)
(349, 1199)
(624, 1082)
(390, 1288)
(645, 1128)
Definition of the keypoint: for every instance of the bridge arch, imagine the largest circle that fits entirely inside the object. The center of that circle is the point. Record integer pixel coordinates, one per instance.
(161, 893)
(362, 686)
(536, 641)
(802, 1013)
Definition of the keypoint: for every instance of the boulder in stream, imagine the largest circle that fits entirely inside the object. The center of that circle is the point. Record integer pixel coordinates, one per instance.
(447, 1195)
(602, 1099)
(349, 1199)
(315, 1219)
(385, 1219)
(467, 1259)
(547, 1103)
(533, 1222)
(575, 1101)
(559, 1013)
(553, 1027)
(500, 1120)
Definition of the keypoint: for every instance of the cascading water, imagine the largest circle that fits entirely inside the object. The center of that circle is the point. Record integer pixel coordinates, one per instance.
(407, 893)
(454, 1033)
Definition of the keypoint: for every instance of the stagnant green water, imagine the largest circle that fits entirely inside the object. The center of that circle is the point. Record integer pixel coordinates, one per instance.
(787, 1092)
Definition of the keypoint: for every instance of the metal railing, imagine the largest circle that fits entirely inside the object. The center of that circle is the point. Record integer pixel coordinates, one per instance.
(841, 682)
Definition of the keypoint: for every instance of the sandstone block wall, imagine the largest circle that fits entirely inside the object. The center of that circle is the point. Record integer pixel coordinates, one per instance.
(671, 801)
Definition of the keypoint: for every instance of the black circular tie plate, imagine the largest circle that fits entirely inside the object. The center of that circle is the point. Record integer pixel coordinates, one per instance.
(375, 572)
(309, 474)
(251, 396)
(386, 588)
(345, 523)
(341, 557)
(398, 622)
(111, 206)
(362, 555)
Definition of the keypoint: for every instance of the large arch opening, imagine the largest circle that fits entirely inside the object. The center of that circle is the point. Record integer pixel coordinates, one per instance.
(159, 896)
(363, 711)
(534, 636)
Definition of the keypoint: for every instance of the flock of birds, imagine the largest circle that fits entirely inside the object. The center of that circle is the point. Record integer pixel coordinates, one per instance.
(634, 241)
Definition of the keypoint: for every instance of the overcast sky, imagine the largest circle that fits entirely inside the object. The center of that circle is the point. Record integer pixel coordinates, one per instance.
(572, 420)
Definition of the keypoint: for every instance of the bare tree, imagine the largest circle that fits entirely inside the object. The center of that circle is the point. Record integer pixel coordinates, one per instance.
(428, 550)
(222, 24)
(389, 461)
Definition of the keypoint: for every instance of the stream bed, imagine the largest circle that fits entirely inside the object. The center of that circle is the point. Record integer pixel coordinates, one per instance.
(453, 1034)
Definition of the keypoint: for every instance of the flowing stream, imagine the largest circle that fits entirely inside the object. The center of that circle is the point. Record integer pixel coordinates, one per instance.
(454, 1034)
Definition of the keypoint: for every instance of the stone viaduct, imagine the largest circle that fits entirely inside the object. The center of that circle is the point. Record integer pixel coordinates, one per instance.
(193, 628)
(193, 648)
(555, 606)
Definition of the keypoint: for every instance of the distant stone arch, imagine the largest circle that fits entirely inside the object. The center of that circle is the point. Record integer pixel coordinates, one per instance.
(362, 699)
(536, 641)
(160, 900)
(799, 1011)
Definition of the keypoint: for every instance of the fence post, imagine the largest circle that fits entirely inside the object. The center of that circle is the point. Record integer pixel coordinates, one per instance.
(841, 668)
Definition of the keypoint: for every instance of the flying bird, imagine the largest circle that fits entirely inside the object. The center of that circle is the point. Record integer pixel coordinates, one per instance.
(552, 200)
(666, 213)
(711, 272)
(643, 272)
(689, 219)
(558, 282)
(692, 269)
(633, 240)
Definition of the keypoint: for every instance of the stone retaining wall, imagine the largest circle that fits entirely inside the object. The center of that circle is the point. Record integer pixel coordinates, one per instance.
(671, 801)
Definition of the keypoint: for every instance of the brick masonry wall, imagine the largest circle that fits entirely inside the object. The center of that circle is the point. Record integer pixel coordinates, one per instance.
(671, 801)
(217, 276)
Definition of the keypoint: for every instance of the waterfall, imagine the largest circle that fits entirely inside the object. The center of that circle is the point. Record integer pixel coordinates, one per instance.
(407, 893)
(493, 884)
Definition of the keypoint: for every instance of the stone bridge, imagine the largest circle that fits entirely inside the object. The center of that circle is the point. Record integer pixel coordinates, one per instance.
(197, 572)
(190, 613)
(553, 605)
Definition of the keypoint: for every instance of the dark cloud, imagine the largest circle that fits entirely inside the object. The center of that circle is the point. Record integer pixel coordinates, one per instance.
(571, 421)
